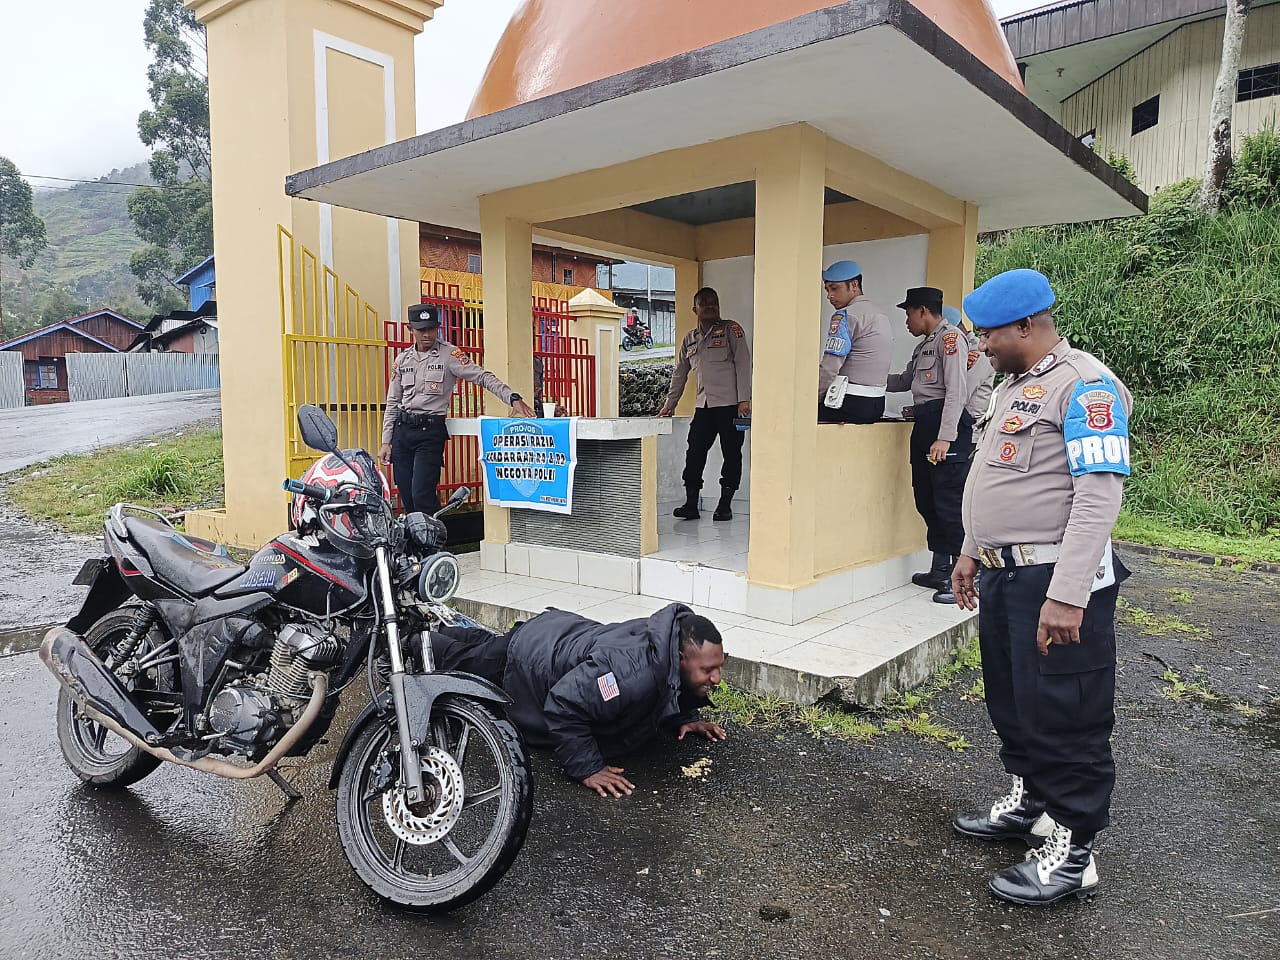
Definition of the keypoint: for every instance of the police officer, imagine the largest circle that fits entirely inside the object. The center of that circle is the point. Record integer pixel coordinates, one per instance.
(413, 430)
(857, 350)
(716, 351)
(981, 377)
(941, 436)
(1043, 495)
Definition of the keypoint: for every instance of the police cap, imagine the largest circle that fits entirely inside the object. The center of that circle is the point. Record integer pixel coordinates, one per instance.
(424, 316)
(842, 271)
(1009, 297)
(930, 297)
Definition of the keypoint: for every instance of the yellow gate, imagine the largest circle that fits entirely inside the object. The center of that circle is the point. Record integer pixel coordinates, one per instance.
(334, 353)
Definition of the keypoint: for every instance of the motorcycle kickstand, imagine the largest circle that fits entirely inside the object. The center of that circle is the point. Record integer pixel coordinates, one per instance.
(287, 788)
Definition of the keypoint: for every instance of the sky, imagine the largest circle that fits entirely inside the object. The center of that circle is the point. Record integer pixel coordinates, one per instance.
(72, 96)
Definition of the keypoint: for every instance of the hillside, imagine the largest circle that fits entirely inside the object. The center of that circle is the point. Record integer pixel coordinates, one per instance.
(90, 241)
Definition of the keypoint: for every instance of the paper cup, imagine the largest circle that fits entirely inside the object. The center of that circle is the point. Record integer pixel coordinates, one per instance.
(549, 408)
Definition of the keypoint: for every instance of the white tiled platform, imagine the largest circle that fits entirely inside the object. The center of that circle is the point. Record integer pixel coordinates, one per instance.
(857, 652)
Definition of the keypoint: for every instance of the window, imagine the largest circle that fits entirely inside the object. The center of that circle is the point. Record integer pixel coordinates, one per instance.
(1146, 114)
(1258, 82)
(1090, 138)
(568, 276)
(474, 263)
(47, 376)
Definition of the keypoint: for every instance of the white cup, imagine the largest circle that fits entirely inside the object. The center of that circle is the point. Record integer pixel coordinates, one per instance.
(549, 408)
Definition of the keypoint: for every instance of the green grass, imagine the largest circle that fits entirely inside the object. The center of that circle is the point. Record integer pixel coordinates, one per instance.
(1156, 625)
(1264, 548)
(170, 475)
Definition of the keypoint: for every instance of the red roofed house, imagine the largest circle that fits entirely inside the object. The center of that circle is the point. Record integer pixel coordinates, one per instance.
(44, 351)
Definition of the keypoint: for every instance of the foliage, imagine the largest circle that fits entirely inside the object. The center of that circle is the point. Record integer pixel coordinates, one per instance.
(22, 233)
(1122, 165)
(1254, 180)
(74, 492)
(175, 218)
(1185, 308)
(58, 305)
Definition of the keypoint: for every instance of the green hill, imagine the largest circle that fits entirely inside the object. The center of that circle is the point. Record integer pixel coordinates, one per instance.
(87, 261)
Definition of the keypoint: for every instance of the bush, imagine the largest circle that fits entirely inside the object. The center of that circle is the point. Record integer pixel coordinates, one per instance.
(163, 474)
(1254, 180)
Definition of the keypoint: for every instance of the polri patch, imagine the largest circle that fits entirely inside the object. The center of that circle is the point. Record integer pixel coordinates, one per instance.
(1012, 425)
(608, 685)
(1034, 392)
(1008, 451)
(951, 340)
(1096, 429)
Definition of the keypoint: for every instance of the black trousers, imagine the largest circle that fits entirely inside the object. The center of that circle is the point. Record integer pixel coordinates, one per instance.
(709, 423)
(939, 488)
(1054, 714)
(853, 410)
(471, 650)
(417, 456)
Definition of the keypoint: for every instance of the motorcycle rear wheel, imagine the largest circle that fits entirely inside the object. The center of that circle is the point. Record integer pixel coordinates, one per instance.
(626, 344)
(96, 755)
(451, 850)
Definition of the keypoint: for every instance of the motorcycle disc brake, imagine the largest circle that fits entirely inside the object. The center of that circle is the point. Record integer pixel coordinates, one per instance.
(428, 824)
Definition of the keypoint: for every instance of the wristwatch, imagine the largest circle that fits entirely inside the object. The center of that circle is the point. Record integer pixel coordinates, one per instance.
(516, 398)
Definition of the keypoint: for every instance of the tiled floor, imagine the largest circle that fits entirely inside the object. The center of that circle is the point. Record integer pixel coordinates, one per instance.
(721, 545)
(849, 641)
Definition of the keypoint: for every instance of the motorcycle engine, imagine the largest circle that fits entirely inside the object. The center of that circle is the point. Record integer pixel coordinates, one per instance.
(252, 713)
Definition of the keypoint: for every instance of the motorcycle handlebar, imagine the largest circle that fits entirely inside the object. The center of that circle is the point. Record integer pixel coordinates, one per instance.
(320, 494)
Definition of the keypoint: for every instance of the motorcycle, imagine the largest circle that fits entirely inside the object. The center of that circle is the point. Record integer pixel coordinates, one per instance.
(181, 655)
(636, 335)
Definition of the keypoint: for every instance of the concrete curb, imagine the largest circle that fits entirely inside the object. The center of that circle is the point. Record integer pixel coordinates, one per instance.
(1191, 556)
(22, 639)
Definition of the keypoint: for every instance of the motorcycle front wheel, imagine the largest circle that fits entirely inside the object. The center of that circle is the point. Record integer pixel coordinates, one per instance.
(452, 847)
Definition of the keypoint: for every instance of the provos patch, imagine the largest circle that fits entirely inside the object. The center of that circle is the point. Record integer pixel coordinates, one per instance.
(608, 685)
(1096, 429)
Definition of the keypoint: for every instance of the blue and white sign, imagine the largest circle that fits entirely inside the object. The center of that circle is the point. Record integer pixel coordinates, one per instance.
(529, 463)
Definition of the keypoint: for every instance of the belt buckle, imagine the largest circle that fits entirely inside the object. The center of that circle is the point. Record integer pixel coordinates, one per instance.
(990, 558)
(1026, 554)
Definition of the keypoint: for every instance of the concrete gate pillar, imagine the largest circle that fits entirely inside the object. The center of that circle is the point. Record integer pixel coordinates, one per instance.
(292, 85)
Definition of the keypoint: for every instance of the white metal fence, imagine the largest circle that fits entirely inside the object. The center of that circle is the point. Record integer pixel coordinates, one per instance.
(96, 376)
(13, 391)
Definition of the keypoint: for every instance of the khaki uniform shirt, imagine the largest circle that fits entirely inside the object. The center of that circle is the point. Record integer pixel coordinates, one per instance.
(872, 348)
(1050, 467)
(938, 370)
(423, 382)
(981, 379)
(719, 357)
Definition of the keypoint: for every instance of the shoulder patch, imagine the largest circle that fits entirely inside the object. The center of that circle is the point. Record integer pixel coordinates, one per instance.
(608, 685)
(951, 341)
(737, 330)
(460, 355)
(1096, 429)
(973, 358)
(1048, 361)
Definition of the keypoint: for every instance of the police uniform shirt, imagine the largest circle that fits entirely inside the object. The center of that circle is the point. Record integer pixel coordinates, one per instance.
(1050, 467)
(423, 382)
(719, 357)
(938, 370)
(982, 378)
(870, 347)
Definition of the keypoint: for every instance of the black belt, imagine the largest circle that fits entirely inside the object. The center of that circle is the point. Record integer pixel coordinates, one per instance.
(412, 419)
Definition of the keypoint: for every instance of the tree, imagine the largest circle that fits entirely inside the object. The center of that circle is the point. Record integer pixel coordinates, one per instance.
(57, 305)
(175, 218)
(1218, 155)
(22, 234)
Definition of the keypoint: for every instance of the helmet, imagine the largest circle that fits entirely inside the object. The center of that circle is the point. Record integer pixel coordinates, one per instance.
(344, 523)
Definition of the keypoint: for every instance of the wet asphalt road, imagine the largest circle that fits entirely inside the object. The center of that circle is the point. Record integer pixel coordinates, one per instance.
(851, 840)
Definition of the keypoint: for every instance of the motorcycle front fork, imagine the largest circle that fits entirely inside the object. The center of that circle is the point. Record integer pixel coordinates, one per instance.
(410, 769)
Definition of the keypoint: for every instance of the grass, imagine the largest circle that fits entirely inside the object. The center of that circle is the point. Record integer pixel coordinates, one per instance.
(1263, 548)
(1156, 625)
(74, 492)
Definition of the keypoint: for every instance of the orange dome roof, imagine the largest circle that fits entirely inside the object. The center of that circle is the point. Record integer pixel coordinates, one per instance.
(555, 45)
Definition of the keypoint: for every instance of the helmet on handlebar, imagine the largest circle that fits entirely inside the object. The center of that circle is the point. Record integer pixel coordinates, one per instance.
(344, 519)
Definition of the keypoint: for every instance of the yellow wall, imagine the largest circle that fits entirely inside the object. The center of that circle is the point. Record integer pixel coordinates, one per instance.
(1182, 68)
(471, 285)
(874, 517)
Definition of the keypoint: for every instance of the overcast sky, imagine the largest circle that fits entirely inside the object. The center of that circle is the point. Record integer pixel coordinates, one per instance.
(73, 76)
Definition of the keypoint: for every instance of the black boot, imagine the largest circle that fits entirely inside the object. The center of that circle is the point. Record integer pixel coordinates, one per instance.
(724, 509)
(1063, 867)
(939, 577)
(690, 509)
(944, 594)
(1018, 815)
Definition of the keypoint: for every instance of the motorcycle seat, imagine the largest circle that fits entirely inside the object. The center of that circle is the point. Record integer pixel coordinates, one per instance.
(196, 567)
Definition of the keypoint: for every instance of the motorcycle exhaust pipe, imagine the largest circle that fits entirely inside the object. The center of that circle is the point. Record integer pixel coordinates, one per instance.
(103, 699)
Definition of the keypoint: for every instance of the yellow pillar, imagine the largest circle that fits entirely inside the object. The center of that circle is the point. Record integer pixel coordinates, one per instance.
(688, 282)
(790, 182)
(292, 85)
(597, 320)
(506, 246)
(953, 252)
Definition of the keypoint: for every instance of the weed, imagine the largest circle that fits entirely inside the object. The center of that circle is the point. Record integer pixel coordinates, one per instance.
(1155, 625)
(978, 691)
(1178, 689)
(1177, 595)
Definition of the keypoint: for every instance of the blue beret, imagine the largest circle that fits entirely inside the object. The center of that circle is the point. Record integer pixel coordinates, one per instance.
(1009, 297)
(952, 315)
(841, 271)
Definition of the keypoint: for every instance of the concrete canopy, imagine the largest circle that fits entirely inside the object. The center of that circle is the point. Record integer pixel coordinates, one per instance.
(852, 72)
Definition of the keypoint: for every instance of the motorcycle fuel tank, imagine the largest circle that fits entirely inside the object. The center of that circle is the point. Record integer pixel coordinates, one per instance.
(305, 573)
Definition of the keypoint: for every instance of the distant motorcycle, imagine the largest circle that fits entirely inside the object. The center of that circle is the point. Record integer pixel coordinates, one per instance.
(636, 335)
(180, 655)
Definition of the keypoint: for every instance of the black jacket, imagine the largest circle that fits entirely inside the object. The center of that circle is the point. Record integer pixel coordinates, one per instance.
(594, 691)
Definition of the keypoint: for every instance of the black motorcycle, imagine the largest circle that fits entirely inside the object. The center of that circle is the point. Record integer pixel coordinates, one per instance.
(636, 335)
(181, 655)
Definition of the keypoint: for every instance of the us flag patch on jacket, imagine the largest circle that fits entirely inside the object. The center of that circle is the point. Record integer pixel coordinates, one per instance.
(608, 687)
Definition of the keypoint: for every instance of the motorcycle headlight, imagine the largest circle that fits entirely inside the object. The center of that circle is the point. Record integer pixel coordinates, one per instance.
(440, 578)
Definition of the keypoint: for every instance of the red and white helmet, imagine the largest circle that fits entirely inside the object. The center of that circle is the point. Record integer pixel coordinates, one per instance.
(330, 472)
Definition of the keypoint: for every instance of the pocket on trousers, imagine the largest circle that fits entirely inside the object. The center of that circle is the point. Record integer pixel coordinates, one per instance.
(1073, 702)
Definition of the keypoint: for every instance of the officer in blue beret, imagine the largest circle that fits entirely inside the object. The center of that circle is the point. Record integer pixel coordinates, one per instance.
(857, 350)
(1043, 495)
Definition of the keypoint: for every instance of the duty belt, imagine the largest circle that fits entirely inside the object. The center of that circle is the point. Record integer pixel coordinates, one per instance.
(1019, 555)
(413, 418)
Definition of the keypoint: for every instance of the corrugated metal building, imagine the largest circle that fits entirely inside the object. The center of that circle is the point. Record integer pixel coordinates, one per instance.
(44, 351)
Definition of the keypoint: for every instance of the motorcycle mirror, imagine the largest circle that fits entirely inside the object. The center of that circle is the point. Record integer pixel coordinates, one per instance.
(459, 495)
(318, 431)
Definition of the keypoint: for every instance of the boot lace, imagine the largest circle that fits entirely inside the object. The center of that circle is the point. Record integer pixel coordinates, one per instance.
(1053, 854)
(1010, 801)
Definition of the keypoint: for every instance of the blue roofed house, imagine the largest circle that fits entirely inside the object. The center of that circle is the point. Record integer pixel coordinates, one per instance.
(194, 330)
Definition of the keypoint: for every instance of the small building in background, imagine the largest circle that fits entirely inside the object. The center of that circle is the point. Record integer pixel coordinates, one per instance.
(194, 330)
(44, 351)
